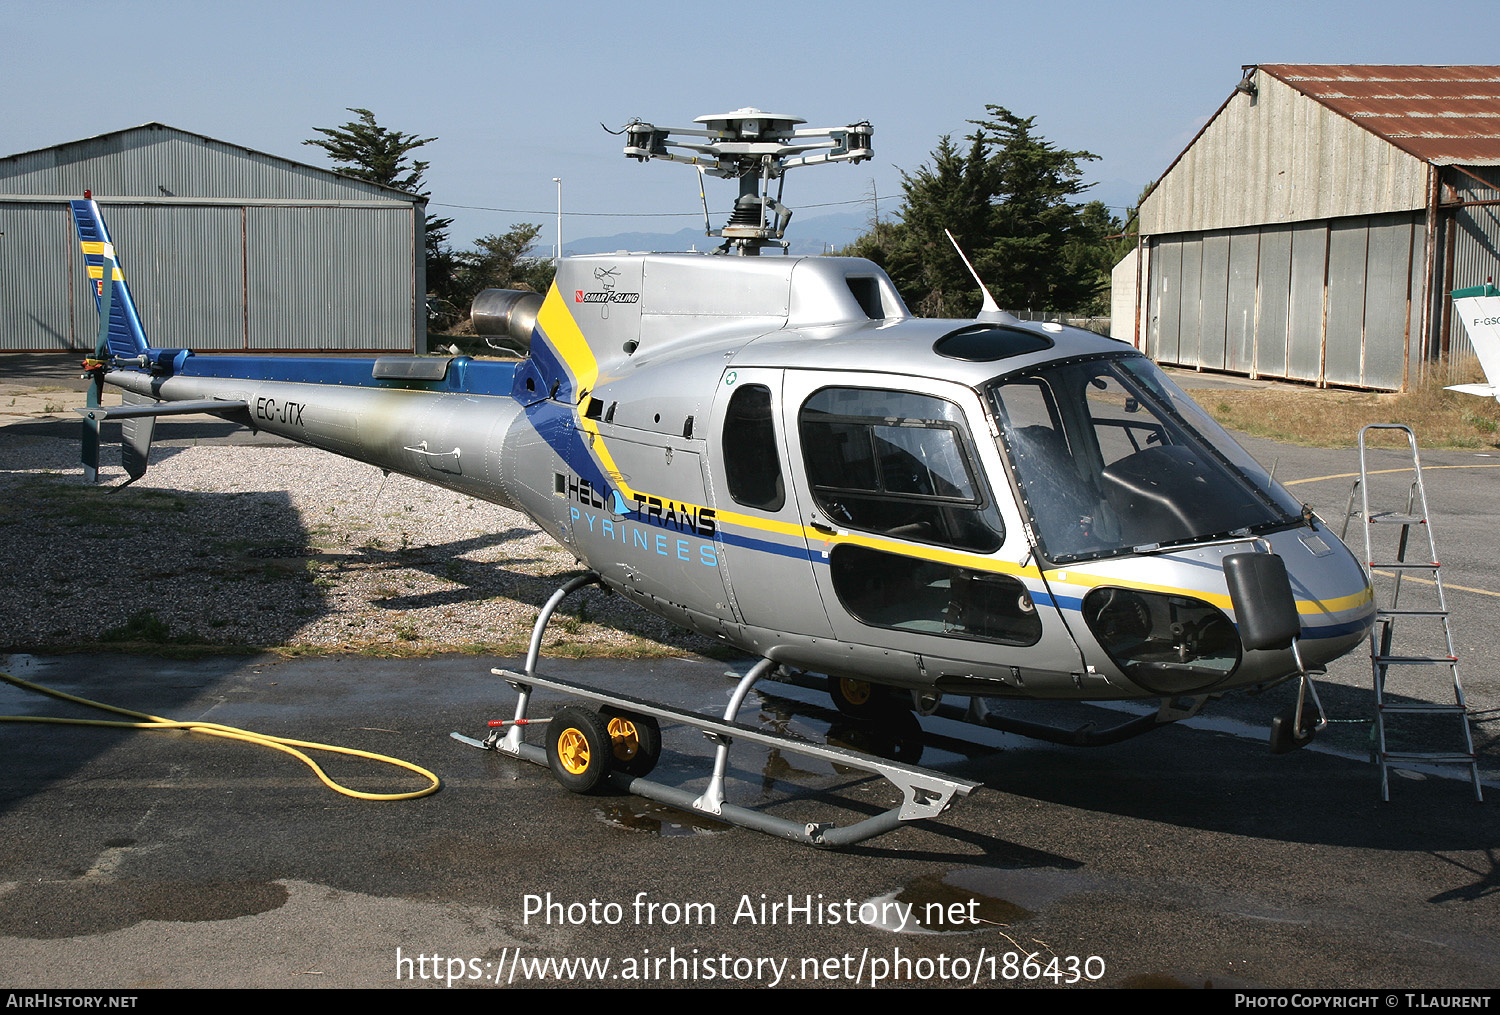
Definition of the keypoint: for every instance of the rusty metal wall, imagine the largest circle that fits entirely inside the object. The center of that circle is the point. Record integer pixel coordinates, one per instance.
(1344, 338)
(1389, 270)
(1475, 255)
(36, 258)
(1309, 253)
(1163, 283)
(162, 162)
(1242, 309)
(320, 280)
(1190, 307)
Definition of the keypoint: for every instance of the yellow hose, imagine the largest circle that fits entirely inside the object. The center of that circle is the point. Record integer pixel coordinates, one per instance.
(283, 744)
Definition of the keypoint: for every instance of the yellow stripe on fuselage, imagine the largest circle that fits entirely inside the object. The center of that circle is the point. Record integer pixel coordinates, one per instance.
(572, 348)
(1069, 576)
(567, 338)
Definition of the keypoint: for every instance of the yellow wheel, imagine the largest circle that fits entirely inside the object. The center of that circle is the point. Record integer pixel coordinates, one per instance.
(858, 699)
(635, 740)
(578, 749)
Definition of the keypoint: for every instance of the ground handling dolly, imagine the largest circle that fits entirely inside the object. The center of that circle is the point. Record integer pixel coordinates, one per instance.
(621, 742)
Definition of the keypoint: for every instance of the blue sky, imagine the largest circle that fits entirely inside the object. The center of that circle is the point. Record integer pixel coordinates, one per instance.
(515, 93)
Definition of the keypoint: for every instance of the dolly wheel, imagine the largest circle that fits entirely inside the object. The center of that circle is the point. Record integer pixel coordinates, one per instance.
(578, 749)
(635, 740)
(858, 699)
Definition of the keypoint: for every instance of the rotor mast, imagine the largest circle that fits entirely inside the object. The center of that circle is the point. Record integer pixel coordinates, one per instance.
(755, 148)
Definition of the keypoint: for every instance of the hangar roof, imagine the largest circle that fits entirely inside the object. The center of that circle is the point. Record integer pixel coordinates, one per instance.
(157, 160)
(1443, 115)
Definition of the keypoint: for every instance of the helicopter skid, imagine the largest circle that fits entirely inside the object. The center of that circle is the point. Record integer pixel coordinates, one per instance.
(925, 794)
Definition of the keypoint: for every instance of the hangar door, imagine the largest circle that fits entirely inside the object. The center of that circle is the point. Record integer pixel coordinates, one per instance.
(1329, 301)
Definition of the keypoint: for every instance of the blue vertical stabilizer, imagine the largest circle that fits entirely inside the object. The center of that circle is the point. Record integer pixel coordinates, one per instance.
(124, 338)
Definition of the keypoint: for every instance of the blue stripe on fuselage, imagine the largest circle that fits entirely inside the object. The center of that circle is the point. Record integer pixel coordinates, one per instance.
(544, 368)
(766, 546)
(464, 376)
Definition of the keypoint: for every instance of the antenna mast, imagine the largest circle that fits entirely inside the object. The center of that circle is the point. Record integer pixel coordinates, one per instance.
(754, 148)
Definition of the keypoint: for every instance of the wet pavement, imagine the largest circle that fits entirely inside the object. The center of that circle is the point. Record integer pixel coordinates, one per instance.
(1189, 856)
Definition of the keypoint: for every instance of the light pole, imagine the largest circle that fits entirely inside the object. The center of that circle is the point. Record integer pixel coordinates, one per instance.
(558, 180)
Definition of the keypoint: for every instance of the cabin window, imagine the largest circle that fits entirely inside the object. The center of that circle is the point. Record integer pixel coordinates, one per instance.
(867, 293)
(751, 462)
(898, 464)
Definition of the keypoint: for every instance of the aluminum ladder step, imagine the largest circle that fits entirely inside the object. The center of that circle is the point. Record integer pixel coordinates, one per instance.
(1434, 757)
(1396, 518)
(1426, 709)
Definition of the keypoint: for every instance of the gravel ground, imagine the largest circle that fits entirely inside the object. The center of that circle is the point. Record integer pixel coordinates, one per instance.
(282, 547)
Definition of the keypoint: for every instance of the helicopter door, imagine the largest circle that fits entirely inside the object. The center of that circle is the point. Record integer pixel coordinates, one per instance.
(763, 552)
(923, 548)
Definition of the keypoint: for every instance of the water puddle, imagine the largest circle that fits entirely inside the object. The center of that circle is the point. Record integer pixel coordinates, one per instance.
(974, 899)
(102, 903)
(636, 815)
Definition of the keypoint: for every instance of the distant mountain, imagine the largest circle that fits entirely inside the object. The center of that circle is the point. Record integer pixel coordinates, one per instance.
(812, 235)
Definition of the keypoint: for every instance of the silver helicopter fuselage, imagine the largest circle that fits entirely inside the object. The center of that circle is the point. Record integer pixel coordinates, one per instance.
(774, 452)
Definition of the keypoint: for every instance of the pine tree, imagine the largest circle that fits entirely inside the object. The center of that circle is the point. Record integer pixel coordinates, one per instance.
(363, 149)
(1008, 199)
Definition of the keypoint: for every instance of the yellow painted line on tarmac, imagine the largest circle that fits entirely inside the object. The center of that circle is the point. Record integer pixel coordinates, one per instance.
(1446, 586)
(1382, 472)
(1430, 468)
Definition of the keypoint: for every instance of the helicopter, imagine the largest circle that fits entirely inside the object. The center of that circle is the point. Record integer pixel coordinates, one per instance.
(933, 515)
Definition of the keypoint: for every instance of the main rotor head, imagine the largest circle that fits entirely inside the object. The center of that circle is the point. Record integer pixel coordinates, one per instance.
(754, 147)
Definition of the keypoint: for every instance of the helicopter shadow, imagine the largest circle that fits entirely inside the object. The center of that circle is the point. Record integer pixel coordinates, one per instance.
(1193, 778)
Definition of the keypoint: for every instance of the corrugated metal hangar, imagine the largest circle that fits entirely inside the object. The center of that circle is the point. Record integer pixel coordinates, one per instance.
(1315, 226)
(225, 248)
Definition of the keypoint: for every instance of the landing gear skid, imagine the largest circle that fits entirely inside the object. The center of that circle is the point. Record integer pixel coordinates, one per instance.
(978, 713)
(586, 749)
(1170, 711)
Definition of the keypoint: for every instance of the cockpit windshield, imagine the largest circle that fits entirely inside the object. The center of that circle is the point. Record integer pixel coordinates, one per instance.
(1111, 456)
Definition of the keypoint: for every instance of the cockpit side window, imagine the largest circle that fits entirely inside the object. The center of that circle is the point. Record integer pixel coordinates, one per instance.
(899, 464)
(752, 464)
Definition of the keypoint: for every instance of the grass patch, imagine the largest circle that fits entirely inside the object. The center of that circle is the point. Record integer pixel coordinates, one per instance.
(147, 633)
(93, 508)
(1331, 418)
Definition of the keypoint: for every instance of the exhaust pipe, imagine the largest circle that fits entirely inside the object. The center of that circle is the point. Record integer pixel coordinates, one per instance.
(506, 317)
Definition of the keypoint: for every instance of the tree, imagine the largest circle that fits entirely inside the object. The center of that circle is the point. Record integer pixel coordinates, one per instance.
(362, 148)
(367, 150)
(1008, 199)
(954, 193)
(501, 262)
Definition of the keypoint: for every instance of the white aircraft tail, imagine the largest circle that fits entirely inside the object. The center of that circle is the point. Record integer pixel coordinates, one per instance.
(1479, 308)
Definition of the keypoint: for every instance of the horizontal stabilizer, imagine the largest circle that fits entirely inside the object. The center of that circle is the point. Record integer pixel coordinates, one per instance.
(212, 406)
(1484, 390)
(138, 421)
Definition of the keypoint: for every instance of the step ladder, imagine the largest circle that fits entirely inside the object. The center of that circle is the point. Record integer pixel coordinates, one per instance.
(1428, 623)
